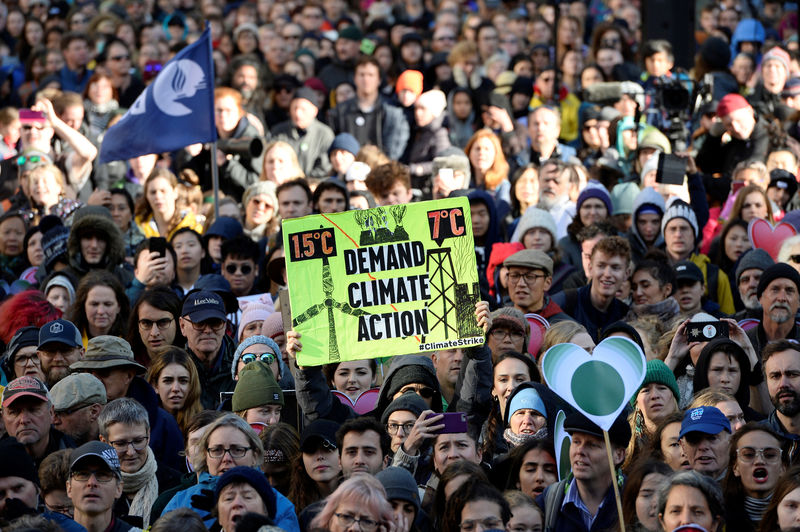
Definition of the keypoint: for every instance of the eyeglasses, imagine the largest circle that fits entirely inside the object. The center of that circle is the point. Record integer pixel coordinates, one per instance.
(795, 258)
(484, 524)
(501, 334)
(392, 428)
(530, 278)
(162, 324)
(101, 476)
(28, 127)
(267, 358)
(366, 525)
(122, 445)
(215, 325)
(770, 455)
(236, 451)
(423, 391)
(23, 361)
(22, 159)
(244, 268)
(67, 510)
(120, 57)
(70, 411)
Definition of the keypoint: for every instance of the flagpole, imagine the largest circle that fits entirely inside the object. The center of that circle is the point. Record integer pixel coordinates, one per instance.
(215, 178)
(214, 166)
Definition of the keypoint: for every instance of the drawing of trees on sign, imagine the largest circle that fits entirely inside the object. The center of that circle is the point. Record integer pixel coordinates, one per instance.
(374, 224)
(466, 296)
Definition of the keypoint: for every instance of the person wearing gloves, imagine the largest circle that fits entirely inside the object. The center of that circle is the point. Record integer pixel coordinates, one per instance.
(257, 397)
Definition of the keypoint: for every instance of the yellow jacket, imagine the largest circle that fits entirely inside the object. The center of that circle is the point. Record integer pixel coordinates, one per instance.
(569, 115)
(724, 296)
(150, 228)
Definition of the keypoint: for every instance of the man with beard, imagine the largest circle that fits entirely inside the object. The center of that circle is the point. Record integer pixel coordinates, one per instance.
(60, 345)
(554, 188)
(246, 78)
(782, 372)
(779, 294)
(748, 273)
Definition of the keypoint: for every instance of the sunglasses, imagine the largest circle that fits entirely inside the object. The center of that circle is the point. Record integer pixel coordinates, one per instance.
(120, 57)
(267, 358)
(795, 259)
(244, 268)
(34, 159)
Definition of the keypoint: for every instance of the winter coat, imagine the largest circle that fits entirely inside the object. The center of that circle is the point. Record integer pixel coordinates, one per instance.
(715, 157)
(311, 146)
(647, 197)
(218, 379)
(90, 222)
(427, 143)
(392, 127)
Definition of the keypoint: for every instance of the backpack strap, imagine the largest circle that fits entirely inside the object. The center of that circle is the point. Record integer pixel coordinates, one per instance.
(553, 499)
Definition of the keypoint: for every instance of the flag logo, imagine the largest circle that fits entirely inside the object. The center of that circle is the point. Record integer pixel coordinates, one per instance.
(179, 80)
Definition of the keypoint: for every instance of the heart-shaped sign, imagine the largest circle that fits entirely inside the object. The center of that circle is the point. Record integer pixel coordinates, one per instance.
(562, 442)
(764, 236)
(598, 385)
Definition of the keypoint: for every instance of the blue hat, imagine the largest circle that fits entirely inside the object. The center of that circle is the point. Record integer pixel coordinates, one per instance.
(595, 192)
(214, 282)
(346, 142)
(253, 477)
(60, 332)
(202, 305)
(225, 227)
(527, 399)
(705, 419)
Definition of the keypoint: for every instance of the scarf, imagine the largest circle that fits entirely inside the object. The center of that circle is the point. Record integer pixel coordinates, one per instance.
(145, 485)
(515, 440)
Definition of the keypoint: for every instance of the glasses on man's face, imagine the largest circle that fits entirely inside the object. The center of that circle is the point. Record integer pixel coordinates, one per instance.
(267, 358)
(501, 334)
(23, 361)
(138, 444)
(215, 325)
(794, 258)
(530, 278)
(244, 268)
(487, 523)
(366, 525)
(770, 455)
(393, 428)
(423, 391)
(102, 476)
(236, 451)
(147, 325)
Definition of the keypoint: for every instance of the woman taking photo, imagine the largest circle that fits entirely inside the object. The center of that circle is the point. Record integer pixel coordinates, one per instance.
(154, 323)
(101, 306)
(157, 213)
(173, 376)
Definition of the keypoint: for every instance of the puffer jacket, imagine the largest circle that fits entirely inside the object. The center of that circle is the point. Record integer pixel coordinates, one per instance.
(95, 220)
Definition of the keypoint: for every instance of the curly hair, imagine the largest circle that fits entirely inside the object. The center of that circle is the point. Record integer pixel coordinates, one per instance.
(613, 246)
(382, 178)
(28, 308)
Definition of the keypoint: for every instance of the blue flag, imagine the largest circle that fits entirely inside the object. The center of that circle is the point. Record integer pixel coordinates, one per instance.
(174, 111)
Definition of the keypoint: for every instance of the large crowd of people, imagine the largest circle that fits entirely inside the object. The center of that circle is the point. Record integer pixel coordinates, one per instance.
(150, 375)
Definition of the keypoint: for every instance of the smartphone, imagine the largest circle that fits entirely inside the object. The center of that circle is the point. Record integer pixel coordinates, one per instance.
(704, 331)
(454, 422)
(29, 115)
(446, 174)
(671, 169)
(158, 244)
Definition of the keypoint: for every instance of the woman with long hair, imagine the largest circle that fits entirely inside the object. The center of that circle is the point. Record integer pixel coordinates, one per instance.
(316, 469)
(100, 307)
(524, 189)
(153, 323)
(47, 193)
(783, 511)
(281, 448)
(173, 376)
(280, 163)
(640, 497)
(489, 165)
(157, 213)
(533, 467)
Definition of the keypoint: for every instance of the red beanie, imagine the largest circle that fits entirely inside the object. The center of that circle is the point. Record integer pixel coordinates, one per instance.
(730, 103)
(411, 80)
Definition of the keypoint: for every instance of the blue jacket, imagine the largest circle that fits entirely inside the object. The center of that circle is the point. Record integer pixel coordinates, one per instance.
(587, 315)
(568, 519)
(285, 516)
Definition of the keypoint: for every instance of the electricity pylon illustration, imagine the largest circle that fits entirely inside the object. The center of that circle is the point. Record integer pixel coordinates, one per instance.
(328, 304)
(442, 280)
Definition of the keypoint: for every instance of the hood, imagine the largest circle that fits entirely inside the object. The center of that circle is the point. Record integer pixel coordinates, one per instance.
(397, 377)
(98, 223)
(748, 30)
(451, 118)
(552, 404)
(493, 233)
(647, 196)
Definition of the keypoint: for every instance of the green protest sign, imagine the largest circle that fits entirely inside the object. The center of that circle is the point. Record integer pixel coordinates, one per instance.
(387, 281)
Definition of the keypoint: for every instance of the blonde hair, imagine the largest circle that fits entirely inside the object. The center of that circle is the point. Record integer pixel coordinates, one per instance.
(228, 420)
(51, 169)
(296, 172)
(561, 333)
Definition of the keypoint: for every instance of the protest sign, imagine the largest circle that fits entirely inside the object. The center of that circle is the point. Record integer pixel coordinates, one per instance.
(387, 281)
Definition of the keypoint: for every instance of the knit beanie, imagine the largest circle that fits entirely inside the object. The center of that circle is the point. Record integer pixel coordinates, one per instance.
(409, 80)
(259, 188)
(510, 317)
(421, 372)
(16, 461)
(346, 142)
(730, 103)
(272, 326)
(253, 340)
(678, 208)
(54, 246)
(434, 100)
(780, 55)
(409, 401)
(253, 477)
(399, 485)
(753, 259)
(623, 197)
(649, 165)
(256, 387)
(527, 398)
(780, 270)
(596, 191)
(658, 372)
(254, 311)
(532, 218)
(653, 138)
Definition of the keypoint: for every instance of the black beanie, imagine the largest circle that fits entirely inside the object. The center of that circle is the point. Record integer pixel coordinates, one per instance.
(16, 461)
(411, 374)
(409, 401)
(780, 270)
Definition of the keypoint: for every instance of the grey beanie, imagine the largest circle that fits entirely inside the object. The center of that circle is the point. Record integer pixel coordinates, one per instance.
(63, 282)
(753, 259)
(252, 340)
(258, 188)
(399, 485)
(408, 401)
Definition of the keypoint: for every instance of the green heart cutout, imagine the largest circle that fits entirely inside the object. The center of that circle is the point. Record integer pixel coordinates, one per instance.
(597, 385)
(562, 444)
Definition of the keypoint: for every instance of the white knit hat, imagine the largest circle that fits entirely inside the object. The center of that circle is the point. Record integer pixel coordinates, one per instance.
(677, 208)
(532, 218)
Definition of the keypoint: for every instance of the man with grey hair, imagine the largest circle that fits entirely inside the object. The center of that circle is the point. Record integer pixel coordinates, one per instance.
(544, 128)
(705, 485)
(124, 425)
(77, 402)
(779, 294)
(748, 273)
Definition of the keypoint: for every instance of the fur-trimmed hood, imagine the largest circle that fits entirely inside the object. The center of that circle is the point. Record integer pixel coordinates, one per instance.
(96, 220)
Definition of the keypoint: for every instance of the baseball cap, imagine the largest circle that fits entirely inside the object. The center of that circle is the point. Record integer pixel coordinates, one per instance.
(319, 431)
(531, 258)
(76, 390)
(203, 305)
(705, 419)
(25, 386)
(60, 332)
(783, 180)
(688, 271)
(96, 449)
